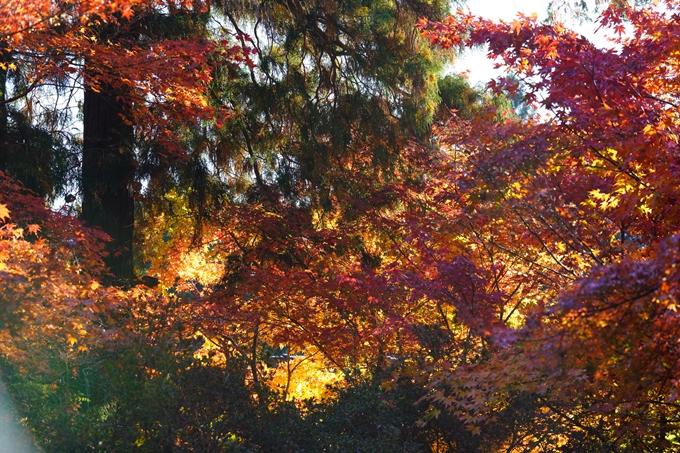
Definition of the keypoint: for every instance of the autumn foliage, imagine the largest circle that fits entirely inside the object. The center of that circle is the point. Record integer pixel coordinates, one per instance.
(583, 205)
(503, 283)
(164, 78)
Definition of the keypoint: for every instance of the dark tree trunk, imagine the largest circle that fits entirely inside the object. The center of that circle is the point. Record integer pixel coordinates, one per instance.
(107, 175)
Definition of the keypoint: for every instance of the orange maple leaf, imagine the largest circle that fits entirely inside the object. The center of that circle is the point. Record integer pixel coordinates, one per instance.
(4, 212)
(33, 229)
(127, 13)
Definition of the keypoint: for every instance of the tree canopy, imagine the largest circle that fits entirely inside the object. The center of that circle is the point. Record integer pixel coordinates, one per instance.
(286, 229)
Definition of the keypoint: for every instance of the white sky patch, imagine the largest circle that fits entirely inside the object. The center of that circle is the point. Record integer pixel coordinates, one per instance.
(479, 67)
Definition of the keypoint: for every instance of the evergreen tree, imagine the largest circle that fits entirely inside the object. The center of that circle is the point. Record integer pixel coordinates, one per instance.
(334, 79)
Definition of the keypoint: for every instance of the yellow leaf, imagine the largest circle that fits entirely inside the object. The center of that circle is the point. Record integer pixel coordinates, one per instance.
(71, 340)
(4, 212)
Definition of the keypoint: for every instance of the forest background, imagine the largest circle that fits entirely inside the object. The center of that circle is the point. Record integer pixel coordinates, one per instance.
(284, 228)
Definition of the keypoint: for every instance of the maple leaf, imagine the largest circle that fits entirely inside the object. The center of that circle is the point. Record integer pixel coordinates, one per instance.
(127, 13)
(4, 212)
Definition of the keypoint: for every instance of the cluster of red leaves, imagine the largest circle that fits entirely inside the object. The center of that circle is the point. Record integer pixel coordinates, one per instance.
(22, 19)
(164, 82)
(581, 210)
(382, 275)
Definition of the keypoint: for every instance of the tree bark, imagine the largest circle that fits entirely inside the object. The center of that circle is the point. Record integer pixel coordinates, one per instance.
(107, 175)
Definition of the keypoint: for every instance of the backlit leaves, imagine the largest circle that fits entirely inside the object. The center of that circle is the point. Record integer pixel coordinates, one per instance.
(584, 202)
